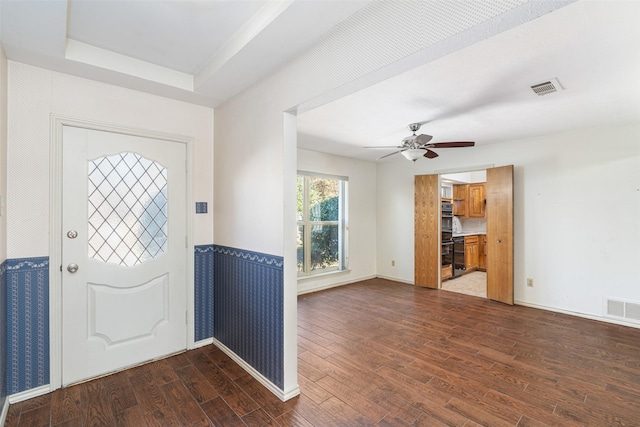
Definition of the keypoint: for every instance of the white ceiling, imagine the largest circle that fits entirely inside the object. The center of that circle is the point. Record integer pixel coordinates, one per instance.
(202, 51)
(482, 93)
(206, 51)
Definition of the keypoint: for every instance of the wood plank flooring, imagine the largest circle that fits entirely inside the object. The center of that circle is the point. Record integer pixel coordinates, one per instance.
(387, 354)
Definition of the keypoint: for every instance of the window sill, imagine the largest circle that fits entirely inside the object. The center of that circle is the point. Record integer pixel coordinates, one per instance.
(303, 279)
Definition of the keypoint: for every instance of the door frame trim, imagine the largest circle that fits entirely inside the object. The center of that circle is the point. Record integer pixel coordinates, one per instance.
(57, 122)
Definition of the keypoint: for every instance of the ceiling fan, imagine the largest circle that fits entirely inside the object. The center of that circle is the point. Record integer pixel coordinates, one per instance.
(415, 146)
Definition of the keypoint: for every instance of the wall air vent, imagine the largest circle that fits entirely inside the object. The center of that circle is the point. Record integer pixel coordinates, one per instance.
(626, 310)
(547, 87)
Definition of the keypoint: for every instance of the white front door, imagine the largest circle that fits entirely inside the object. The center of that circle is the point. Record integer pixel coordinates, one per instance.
(123, 251)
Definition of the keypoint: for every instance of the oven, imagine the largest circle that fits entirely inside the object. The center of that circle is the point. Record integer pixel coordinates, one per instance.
(447, 219)
(458, 257)
(446, 261)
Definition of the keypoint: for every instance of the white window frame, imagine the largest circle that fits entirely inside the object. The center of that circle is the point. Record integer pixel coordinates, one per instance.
(341, 223)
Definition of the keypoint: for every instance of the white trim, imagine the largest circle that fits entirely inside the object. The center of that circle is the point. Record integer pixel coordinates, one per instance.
(190, 255)
(395, 279)
(333, 285)
(283, 395)
(5, 411)
(463, 169)
(29, 394)
(106, 59)
(203, 343)
(325, 275)
(577, 314)
(57, 122)
(55, 253)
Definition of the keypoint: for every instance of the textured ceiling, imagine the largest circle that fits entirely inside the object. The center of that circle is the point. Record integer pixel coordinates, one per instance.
(197, 51)
(462, 67)
(177, 35)
(482, 92)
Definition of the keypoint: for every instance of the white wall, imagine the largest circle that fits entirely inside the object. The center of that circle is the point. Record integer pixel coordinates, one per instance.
(255, 141)
(576, 210)
(361, 212)
(3, 155)
(36, 93)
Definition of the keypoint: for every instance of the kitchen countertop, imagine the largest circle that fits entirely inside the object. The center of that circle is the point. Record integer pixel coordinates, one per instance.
(468, 233)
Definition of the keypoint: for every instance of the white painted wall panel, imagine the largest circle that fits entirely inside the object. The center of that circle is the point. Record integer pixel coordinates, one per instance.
(3, 155)
(576, 210)
(36, 93)
(253, 163)
(361, 213)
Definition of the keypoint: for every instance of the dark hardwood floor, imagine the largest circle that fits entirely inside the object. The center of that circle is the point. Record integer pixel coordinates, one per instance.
(387, 354)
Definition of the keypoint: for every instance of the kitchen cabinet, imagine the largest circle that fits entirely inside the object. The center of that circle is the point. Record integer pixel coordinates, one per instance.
(476, 200)
(460, 197)
(447, 272)
(482, 256)
(446, 193)
(471, 252)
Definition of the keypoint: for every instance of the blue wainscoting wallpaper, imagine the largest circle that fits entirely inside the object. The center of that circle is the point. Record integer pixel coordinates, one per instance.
(27, 305)
(3, 333)
(248, 308)
(203, 300)
(24, 310)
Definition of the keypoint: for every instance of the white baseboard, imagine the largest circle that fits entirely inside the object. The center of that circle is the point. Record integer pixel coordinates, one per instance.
(395, 279)
(28, 394)
(577, 314)
(5, 411)
(203, 343)
(334, 285)
(282, 395)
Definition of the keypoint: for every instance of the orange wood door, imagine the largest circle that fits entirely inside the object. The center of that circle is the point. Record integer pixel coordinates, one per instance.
(427, 231)
(499, 211)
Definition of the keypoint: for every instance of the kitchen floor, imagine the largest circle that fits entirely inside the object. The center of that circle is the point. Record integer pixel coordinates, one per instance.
(474, 283)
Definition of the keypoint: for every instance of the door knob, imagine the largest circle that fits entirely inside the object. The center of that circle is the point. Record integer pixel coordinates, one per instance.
(72, 268)
(498, 240)
(72, 234)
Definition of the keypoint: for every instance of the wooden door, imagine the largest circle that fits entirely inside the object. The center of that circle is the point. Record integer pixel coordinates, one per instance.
(427, 231)
(123, 251)
(499, 211)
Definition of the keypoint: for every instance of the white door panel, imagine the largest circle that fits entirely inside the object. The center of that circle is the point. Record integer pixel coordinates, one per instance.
(124, 197)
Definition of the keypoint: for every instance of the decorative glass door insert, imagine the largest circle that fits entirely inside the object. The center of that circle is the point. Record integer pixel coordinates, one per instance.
(127, 209)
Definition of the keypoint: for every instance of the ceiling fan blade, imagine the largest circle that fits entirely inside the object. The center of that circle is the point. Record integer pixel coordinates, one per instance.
(452, 144)
(423, 139)
(386, 147)
(387, 155)
(430, 154)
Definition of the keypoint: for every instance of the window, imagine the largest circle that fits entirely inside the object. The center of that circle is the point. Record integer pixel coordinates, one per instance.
(321, 223)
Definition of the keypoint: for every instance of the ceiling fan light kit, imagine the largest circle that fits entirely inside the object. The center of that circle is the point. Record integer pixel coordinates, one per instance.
(415, 146)
(414, 154)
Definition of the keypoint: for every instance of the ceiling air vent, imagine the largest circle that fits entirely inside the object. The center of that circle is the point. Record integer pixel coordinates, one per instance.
(547, 87)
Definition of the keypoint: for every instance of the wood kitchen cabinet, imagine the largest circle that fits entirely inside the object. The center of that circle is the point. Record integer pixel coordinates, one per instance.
(471, 252)
(476, 200)
(482, 256)
(460, 197)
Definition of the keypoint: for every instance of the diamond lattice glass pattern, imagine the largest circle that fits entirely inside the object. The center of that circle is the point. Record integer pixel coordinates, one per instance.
(127, 209)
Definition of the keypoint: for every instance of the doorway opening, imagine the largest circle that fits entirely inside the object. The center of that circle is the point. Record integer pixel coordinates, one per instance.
(464, 232)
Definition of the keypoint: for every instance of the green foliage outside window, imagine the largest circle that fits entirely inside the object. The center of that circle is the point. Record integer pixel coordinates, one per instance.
(321, 223)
